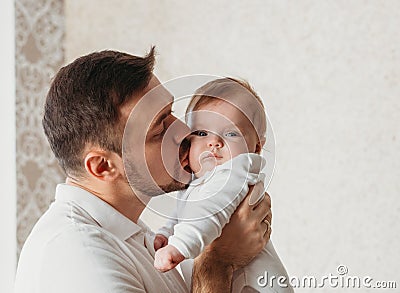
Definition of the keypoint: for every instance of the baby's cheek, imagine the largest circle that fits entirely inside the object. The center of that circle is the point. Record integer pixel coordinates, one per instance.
(238, 148)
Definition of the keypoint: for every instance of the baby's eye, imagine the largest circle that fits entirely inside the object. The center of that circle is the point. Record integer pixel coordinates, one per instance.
(231, 134)
(200, 133)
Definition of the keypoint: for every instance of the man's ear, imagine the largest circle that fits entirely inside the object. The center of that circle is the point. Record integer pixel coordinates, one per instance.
(101, 165)
(260, 145)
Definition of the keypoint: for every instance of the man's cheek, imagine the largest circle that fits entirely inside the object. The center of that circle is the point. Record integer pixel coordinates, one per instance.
(153, 155)
(170, 152)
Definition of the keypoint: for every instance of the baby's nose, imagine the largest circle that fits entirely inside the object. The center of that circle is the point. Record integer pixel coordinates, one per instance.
(215, 141)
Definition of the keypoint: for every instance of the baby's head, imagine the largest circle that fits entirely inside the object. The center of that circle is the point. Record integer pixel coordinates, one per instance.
(226, 118)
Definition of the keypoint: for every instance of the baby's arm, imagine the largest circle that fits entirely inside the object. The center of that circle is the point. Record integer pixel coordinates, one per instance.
(212, 208)
(161, 238)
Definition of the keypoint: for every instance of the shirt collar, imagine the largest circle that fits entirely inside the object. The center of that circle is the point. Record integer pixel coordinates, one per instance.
(104, 214)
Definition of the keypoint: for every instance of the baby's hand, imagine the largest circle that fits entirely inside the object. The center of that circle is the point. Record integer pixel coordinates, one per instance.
(160, 241)
(167, 258)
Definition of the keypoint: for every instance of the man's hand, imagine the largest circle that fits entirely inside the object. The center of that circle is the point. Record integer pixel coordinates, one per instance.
(249, 224)
(241, 240)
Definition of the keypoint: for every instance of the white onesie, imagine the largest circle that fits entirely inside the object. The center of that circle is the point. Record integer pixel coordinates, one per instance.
(206, 207)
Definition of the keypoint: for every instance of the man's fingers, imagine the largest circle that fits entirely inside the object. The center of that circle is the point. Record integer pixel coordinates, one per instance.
(267, 199)
(268, 217)
(256, 194)
(262, 209)
(268, 230)
(264, 199)
(263, 212)
(267, 224)
(265, 216)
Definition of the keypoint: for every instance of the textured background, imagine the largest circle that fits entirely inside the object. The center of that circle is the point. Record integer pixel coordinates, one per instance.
(328, 72)
(39, 36)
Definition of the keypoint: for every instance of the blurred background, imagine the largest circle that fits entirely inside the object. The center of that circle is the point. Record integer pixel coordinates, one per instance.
(328, 73)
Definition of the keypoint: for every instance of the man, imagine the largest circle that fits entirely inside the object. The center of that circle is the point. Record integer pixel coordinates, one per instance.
(91, 238)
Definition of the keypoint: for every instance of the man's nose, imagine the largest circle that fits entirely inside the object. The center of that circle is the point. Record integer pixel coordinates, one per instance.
(215, 141)
(180, 130)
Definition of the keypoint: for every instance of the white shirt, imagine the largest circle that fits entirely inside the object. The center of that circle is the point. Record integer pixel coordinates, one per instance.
(82, 244)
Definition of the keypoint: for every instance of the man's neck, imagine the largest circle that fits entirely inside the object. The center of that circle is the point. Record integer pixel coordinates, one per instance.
(122, 199)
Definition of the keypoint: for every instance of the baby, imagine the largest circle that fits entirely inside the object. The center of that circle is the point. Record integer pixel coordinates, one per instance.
(228, 125)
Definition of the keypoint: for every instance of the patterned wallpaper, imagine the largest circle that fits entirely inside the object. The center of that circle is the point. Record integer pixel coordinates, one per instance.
(39, 27)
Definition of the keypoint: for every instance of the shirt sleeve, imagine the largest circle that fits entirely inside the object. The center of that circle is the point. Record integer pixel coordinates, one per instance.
(209, 208)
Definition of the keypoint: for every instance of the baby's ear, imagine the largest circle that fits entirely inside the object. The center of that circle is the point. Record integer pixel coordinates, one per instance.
(260, 145)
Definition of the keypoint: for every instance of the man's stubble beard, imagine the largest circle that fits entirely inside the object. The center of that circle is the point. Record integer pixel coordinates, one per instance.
(148, 186)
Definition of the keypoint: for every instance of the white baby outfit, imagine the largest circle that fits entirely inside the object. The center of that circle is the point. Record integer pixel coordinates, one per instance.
(206, 207)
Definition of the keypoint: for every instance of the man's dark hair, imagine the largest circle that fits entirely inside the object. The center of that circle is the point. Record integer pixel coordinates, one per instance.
(83, 102)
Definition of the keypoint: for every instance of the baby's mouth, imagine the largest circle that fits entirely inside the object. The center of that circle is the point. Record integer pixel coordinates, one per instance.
(211, 155)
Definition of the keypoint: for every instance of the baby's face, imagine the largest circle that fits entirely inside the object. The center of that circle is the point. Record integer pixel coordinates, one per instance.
(220, 132)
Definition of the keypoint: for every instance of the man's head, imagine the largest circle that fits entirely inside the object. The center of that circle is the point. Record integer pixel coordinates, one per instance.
(86, 112)
(83, 104)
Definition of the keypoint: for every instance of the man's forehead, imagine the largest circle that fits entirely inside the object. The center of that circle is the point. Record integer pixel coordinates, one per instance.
(153, 99)
(157, 93)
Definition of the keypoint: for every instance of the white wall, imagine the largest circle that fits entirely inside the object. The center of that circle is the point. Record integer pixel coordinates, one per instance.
(8, 251)
(329, 73)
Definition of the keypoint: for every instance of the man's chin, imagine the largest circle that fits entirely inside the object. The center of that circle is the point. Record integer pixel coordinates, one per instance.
(173, 186)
